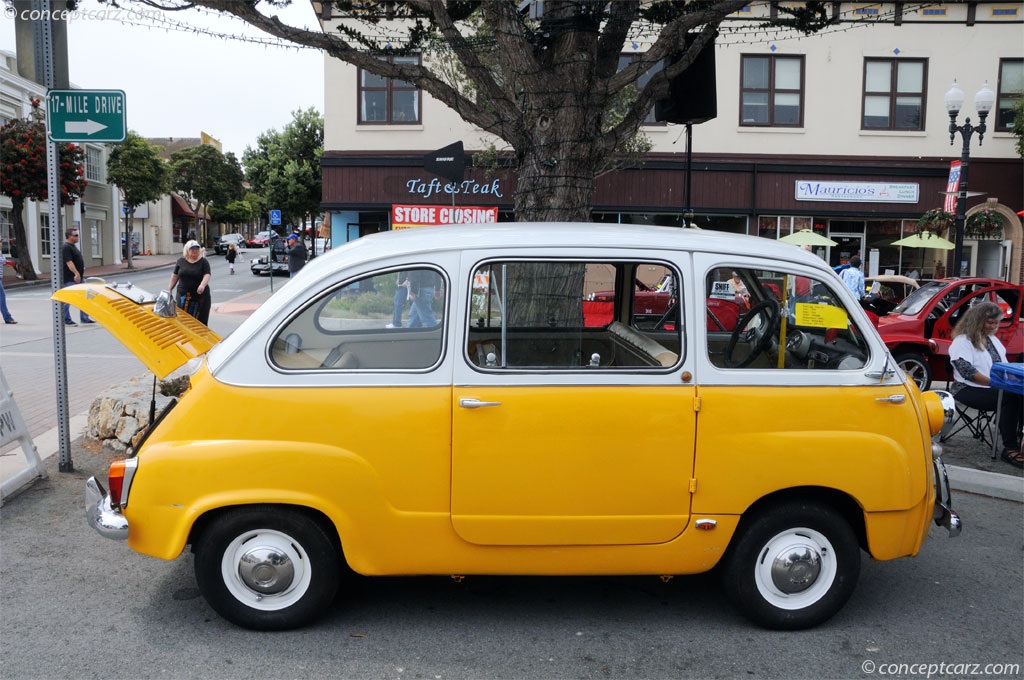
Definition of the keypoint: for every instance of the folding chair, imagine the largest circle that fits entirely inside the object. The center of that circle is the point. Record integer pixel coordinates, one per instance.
(981, 424)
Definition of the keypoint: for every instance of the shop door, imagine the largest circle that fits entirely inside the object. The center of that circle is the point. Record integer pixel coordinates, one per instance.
(847, 246)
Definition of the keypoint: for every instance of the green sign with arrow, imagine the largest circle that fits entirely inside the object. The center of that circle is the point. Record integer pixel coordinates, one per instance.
(86, 115)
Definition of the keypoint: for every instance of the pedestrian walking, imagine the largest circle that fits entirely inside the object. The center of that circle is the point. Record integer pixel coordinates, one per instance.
(230, 257)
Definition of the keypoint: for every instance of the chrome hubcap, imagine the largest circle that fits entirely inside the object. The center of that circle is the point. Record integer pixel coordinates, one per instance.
(266, 570)
(796, 569)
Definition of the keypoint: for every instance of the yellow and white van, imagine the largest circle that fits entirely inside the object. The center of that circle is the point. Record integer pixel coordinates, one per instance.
(505, 422)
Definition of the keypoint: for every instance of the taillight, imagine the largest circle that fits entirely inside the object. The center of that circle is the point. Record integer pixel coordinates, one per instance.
(115, 482)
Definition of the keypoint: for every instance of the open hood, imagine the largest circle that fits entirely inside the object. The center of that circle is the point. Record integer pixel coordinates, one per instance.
(162, 344)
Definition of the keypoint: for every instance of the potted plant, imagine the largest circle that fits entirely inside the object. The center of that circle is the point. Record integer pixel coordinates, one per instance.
(984, 224)
(936, 221)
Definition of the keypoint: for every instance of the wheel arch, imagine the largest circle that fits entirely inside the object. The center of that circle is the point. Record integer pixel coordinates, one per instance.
(841, 502)
(204, 521)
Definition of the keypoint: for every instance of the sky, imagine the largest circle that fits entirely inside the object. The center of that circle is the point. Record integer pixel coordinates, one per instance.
(180, 83)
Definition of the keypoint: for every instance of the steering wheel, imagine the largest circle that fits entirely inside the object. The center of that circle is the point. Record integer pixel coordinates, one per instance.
(756, 327)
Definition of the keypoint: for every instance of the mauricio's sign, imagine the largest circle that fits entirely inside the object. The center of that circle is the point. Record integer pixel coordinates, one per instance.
(86, 115)
(856, 192)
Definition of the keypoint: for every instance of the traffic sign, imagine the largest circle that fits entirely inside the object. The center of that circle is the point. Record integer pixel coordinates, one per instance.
(275, 218)
(86, 115)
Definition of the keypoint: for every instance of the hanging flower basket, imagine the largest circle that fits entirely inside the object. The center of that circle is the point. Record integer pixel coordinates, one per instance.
(984, 224)
(936, 221)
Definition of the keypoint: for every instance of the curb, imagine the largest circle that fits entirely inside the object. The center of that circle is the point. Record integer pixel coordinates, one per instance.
(982, 483)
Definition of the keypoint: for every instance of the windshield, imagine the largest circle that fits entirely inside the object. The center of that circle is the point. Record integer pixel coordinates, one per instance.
(919, 299)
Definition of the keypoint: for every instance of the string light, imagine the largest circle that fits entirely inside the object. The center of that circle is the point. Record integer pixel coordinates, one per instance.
(732, 32)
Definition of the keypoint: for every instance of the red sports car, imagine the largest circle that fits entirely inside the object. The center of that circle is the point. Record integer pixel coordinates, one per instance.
(919, 330)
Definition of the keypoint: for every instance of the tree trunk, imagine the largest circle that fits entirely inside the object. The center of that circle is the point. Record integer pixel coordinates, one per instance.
(129, 226)
(24, 258)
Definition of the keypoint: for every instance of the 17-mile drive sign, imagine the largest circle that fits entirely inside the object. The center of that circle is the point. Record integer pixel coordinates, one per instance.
(86, 115)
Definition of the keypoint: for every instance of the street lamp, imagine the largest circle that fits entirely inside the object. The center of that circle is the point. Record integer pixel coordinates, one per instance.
(983, 102)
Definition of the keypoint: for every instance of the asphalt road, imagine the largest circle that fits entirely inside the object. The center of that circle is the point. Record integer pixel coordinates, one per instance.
(75, 605)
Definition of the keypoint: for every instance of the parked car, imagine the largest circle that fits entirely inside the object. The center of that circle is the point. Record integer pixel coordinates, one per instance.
(275, 262)
(884, 292)
(229, 239)
(919, 330)
(502, 435)
(261, 239)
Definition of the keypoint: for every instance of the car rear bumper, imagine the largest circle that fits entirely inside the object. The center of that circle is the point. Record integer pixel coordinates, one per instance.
(102, 516)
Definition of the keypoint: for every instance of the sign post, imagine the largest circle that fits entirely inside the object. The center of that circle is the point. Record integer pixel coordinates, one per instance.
(86, 115)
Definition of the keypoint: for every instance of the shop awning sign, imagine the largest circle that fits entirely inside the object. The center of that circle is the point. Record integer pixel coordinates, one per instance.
(406, 216)
(857, 192)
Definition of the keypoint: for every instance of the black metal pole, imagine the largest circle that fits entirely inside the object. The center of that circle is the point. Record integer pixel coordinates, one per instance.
(966, 132)
(688, 208)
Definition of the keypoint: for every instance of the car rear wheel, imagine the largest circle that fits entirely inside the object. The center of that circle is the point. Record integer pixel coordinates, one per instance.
(792, 567)
(916, 367)
(267, 567)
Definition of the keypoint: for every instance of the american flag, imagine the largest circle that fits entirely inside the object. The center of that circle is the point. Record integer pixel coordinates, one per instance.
(952, 187)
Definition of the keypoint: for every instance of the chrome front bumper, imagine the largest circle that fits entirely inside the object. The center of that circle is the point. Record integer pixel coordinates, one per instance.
(944, 514)
(102, 516)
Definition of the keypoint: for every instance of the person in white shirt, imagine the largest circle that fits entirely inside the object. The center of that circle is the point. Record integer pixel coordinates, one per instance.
(853, 277)
(973, 351)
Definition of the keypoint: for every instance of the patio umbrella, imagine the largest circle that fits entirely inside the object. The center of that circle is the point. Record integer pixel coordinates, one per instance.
(924, 239)
(806, 237)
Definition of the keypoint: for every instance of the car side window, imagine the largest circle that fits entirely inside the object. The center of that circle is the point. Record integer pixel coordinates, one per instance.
(770, 319)
(393, 320)
(569, 315)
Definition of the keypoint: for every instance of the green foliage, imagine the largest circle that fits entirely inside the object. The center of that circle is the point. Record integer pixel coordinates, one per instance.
(136, 168)
(284, 168)
(204, 176)
(24, 173)
(936, 221)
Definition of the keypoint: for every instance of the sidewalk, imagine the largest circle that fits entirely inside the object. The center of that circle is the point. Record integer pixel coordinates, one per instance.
(140, 262)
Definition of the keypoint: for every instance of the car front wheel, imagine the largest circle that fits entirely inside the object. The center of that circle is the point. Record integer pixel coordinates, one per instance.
(792, 567)
(916, 367)
(267, 567)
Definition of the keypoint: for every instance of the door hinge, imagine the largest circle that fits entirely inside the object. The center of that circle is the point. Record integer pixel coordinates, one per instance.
(693, 485)
(696, 404)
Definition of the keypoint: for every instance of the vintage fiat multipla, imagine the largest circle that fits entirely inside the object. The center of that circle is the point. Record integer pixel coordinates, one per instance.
(492, 431)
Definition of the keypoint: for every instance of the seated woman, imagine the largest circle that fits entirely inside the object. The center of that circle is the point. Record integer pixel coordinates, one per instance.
(973, 351)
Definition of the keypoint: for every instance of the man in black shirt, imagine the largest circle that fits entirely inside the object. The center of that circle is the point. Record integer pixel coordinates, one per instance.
(72, 271)
(296, 254)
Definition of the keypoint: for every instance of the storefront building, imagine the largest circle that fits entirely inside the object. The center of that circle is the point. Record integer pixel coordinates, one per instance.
(848, 137)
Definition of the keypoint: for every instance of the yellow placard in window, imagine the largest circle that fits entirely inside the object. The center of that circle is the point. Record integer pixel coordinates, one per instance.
(820, 316)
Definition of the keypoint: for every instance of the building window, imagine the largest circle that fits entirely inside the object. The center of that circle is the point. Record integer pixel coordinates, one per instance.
(6, 232)
(96, 238)
(772, 91)
(386, 101)
(45, 237)
(894, 94)
(641, 82)
(94, 170)
(1011, 90)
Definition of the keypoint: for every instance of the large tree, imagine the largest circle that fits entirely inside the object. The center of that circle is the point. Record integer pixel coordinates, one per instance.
(203, 176)
(284, 168)
(546, 85)
(24, 177)
(138, 171)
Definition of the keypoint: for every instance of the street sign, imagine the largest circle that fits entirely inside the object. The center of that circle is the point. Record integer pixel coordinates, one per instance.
(86, 115)
(275, 218)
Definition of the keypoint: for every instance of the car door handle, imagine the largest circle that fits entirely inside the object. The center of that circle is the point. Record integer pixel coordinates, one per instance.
(470, 402)
(893, 399)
